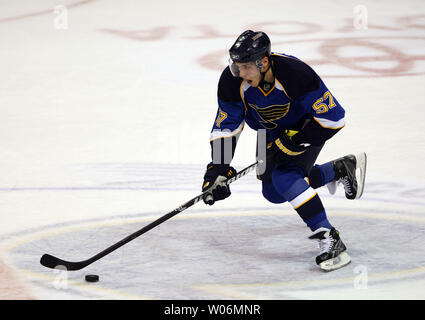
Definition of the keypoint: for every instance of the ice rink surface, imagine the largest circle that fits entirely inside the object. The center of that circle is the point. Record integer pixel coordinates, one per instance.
(106, 110)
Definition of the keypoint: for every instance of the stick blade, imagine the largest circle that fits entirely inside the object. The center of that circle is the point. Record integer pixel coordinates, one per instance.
(52, 262)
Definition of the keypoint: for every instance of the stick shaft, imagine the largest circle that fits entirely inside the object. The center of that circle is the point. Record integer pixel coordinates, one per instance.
(50, 261)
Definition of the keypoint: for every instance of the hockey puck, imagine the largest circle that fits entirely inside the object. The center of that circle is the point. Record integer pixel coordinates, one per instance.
(92, 278)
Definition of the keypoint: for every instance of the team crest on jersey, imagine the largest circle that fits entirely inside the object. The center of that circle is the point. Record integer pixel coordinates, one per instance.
(271, 113)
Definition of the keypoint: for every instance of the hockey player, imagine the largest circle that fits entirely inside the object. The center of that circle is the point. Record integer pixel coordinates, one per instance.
(285, 98)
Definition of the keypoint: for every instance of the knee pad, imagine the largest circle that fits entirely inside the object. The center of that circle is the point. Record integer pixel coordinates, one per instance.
(271, 195)
(283, 179)
(289, 182)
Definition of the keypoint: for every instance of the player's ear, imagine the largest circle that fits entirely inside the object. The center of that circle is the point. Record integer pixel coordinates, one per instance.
(265, 61)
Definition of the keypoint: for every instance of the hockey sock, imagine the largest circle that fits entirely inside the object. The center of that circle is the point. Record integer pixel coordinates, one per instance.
(310, 208)
(321, 175)
(318, 221)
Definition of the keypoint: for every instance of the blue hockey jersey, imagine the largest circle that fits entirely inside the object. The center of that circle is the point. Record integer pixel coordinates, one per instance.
(297, 100)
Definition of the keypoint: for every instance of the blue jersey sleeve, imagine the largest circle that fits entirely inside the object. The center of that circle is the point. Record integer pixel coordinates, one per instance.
(229, 121)
(230, 115)
(328, 116)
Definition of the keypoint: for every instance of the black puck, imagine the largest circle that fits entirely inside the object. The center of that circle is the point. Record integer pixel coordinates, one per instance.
(92, 278)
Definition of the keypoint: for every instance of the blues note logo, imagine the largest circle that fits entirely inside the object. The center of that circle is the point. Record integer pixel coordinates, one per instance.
(271, 113)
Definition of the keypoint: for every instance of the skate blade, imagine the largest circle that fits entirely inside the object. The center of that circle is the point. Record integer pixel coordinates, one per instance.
(335, 263)
(361, 160)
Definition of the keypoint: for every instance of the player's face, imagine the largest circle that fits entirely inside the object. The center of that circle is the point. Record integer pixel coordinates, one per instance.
(249, 72)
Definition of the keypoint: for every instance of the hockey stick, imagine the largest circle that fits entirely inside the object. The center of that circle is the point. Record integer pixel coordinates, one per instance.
(50, 261)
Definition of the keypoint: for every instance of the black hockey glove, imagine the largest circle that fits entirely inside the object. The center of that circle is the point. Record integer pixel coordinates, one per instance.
(286, 146)
(215, 178)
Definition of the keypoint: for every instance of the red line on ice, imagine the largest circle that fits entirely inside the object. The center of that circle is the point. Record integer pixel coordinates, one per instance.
(11, 288)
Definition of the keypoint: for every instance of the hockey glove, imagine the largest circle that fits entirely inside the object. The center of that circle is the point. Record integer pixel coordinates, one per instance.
(286, 147)
(215, 179)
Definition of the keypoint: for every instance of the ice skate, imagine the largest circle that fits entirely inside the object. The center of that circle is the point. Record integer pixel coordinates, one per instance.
(350, 171)
(333, 253)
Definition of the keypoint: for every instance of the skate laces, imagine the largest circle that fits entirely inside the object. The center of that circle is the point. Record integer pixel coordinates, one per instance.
(325, 244)
(347, 186)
